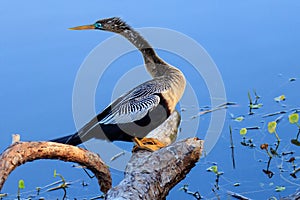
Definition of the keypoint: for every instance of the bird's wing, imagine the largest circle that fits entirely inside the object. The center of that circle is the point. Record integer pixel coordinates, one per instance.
(135, 104)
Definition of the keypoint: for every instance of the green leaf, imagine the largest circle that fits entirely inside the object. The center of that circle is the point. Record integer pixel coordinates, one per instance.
(239, 119)
(272, 126)
(55, 174)
(21, 184)
(279, 188)
(294, 118)
(243, 131)
(213, 169)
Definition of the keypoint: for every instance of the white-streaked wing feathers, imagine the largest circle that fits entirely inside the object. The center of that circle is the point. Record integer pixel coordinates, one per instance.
(131, 110)
(135, 104)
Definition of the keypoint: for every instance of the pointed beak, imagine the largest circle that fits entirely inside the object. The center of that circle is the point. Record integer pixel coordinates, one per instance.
(85, 27)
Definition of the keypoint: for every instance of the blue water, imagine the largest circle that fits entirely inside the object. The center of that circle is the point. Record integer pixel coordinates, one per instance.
(254, 44)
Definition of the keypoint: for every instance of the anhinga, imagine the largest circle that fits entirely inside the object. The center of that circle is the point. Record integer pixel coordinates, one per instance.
(133, 115)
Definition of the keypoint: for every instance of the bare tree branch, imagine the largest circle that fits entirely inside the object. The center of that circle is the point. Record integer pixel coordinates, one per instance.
(22, 152)
(151, 175)
(148, 175)
(167, 131)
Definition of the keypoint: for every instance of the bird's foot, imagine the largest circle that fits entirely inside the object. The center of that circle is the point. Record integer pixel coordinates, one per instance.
(150, 144)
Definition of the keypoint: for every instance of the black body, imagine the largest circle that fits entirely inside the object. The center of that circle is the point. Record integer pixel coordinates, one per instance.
(118, 132)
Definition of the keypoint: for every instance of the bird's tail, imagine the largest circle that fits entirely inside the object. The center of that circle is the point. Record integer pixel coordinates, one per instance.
(73, 139)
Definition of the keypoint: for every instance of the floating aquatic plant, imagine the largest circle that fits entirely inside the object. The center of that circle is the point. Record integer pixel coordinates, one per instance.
(255, 104)
(62, 186)
(21, 185)
(196, 194)
(293, 119)
(272, 129)
(280, 98)
(239, 118)
(213, 169)
(243, 131)
(279, 188)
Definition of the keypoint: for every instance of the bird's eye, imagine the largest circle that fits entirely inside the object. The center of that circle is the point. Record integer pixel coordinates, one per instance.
(98, 25)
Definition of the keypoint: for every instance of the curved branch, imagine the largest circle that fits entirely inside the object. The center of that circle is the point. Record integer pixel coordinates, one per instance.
(148, 175)
(22, 152)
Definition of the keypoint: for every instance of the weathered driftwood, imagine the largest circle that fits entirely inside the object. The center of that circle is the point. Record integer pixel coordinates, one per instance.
(151, 175)
(22, 152)
(148, 175)
(167, 131)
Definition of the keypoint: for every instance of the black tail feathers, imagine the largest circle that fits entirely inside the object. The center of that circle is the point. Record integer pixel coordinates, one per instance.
(73, 139)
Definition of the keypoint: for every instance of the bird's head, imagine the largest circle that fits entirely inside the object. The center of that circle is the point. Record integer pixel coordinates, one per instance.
(114, 24)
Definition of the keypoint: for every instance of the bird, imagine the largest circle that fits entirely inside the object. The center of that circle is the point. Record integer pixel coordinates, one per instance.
(140, 110)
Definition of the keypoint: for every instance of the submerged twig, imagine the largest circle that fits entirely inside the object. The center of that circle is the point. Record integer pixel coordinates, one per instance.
(237, 196)
(219, 107)
(274, 113)
(232, 147)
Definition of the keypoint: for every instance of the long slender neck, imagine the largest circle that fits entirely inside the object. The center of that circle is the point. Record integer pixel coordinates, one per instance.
(172, 77)
(137, 40)
(154, 64)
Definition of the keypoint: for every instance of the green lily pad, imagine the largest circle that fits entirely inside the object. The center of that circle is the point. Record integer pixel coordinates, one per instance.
(213, 169)
(21, 184)
(272, 126)
(293, 118)
(243, 131)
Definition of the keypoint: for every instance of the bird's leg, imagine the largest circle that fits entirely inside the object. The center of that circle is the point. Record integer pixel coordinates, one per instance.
(150, 144)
